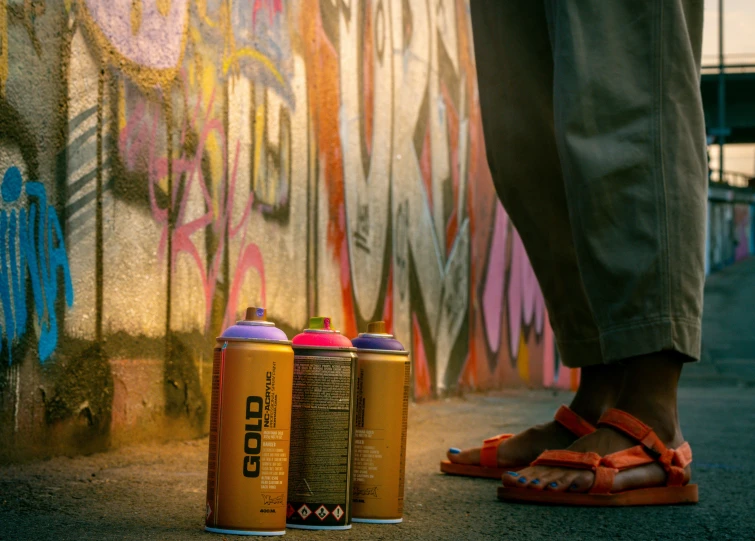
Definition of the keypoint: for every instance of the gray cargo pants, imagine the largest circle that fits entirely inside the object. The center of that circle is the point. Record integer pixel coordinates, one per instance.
(595, 138)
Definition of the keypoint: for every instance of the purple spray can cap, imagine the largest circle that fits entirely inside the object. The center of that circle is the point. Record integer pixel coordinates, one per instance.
(321, 335)
(255, 326)
(377, 339)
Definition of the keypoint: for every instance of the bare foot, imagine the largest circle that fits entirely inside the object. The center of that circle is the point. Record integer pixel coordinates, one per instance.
(655, 406)
(599, 386)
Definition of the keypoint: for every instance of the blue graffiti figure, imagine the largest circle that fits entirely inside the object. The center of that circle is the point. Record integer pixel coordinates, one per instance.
(33, 246)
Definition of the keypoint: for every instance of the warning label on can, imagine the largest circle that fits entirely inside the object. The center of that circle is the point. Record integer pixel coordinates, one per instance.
(321, 424)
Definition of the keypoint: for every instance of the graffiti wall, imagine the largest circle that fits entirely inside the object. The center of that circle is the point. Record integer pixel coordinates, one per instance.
(731, 226)
(166, 163)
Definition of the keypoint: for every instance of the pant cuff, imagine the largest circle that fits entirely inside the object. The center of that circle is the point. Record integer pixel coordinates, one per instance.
(620, 343)
(580, 353)
(651, 336)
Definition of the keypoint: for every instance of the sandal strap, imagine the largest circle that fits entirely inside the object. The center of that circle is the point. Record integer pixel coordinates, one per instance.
(603, 483)
(634, 428)
(564, 416)
(489, 451)
(572, 422)
(673, 461)
(604, 474)
(568, 459)
(628, 458)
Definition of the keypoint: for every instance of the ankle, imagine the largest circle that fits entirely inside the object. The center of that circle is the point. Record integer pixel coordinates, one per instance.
(588, 409)
(661, 416)
(649, 392)
(599, 388)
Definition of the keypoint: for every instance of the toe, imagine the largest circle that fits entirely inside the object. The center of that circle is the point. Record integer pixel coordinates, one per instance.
(563, 480)
(554, 485)
(549, 476)
(536, 484)
(517, 479)
(468, 456)
(529, 478)
(582, 482)
(510, 478)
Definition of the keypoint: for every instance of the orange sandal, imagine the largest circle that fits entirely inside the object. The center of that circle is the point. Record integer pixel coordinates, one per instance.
(649, 450)
(488, 466)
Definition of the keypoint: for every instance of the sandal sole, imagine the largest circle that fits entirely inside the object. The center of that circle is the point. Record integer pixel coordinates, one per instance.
(641, 496)
(472, 470)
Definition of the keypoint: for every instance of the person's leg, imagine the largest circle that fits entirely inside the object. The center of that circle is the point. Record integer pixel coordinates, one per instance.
(515, 81)
(630, 130)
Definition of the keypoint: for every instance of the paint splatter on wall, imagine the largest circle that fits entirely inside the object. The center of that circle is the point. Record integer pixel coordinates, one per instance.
(179, 160)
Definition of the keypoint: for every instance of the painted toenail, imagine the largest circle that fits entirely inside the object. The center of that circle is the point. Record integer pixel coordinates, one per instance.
(454, 451)
(512, 473)
(522, 479)
(536, 481)
(574, 485)
(553, 485)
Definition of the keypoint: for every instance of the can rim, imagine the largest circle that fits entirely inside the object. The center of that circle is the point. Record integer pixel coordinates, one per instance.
(261, 340)
(322, 331)
(334, 348)
(402, 352)
(255, 323)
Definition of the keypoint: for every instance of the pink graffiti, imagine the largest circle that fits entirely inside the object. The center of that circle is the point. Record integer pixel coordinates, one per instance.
(743, 226)
(273, 7)
(524, 299)
(560, 379)
(492, 300)
(140, 137)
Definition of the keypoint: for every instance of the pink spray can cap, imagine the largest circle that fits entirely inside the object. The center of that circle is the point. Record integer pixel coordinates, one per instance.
(320, 334)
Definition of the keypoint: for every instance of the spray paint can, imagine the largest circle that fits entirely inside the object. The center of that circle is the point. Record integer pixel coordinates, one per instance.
(250, 429)
(322, 429)
(382, 410)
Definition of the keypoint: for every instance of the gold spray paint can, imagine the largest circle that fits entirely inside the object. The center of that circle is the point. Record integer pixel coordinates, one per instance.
(250, 429)
(382, 404)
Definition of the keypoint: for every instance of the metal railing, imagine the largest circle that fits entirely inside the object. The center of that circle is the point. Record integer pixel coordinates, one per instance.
(733, 63)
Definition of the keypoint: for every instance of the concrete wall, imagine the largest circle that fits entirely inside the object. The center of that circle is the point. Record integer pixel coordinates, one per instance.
(166, 163)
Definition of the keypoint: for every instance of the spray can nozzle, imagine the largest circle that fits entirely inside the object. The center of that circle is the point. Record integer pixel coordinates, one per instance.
(255, 314)
(319, 323)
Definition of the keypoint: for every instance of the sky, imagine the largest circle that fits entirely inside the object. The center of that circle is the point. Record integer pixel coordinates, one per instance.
(739, 47)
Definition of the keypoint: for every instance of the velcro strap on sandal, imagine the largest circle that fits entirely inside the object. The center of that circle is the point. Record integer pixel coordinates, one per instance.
(489, 451)
(604, 477)
(674, 461)
(568, 459)
(628, 458)
(634, 428)
(683, 455)
(573, 422)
